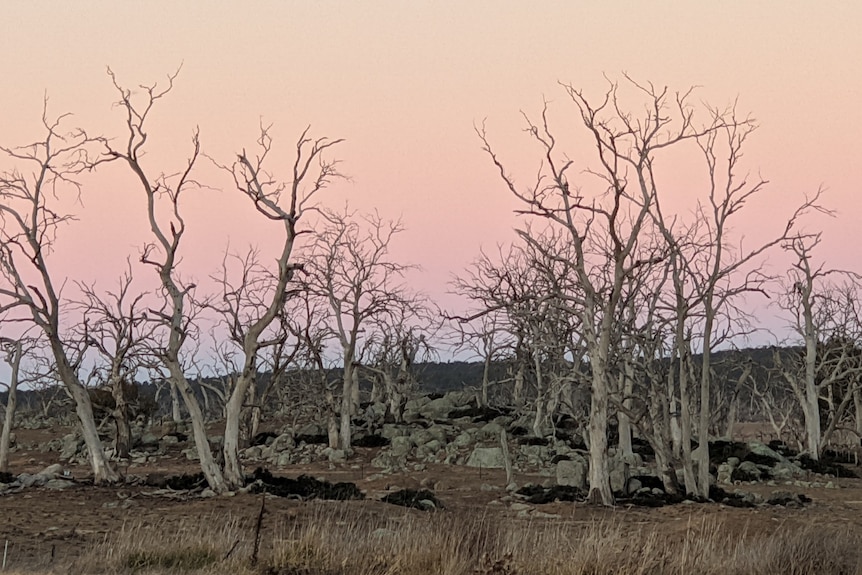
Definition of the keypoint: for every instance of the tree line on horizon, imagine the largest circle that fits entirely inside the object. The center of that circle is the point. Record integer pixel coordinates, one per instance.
(609, 307)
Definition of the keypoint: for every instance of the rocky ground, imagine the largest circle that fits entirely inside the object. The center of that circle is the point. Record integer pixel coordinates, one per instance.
(447, 456)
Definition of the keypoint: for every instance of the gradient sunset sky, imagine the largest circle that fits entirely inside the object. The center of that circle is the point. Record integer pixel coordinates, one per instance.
(404, 82)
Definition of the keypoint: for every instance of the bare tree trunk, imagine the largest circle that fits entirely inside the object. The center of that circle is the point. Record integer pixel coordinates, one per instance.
(600, 479)
(857, 410)
(120, 414)
(176, 414)
(539, 416)
(11, 403)
(346, 407)
(354, 391)
(233, 475)
(624, 426)
(685, 420)
(377, 392)
(485, 375)
(209, 467)
(518, 390)
(811, 408)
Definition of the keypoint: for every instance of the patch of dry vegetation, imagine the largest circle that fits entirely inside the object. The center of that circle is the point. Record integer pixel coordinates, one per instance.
(340, 539)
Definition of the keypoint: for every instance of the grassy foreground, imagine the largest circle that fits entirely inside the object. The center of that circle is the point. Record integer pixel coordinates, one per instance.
(346, 540)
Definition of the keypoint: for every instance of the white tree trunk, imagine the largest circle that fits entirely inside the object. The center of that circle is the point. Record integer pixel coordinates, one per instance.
(347, 404)
(600, 479)
(209, 467)
(176, 414)
(233, 474)
(11, 403)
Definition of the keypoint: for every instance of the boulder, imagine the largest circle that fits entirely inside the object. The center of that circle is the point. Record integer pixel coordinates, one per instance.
(149, 439)
(58, 484)
(747, 471)
(281, 443)
(71, 444)
(437, 408)
(762, 450)
(486, 458)
(400, 446)
(463, 440)
(572, 473)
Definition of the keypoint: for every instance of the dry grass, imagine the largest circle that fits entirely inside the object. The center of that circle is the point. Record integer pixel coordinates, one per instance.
(343, 539)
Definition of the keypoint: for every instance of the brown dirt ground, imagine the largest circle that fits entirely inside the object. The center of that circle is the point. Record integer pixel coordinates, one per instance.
(43, 526)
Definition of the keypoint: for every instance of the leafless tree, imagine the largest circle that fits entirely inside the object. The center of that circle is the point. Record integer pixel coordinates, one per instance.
(609, 229)
(162, 194)
(251, 309)
(116, 326)
(711, 271)
(31, 195)
(399, 341)
(825, 315)
(351, 268)
(14, 350)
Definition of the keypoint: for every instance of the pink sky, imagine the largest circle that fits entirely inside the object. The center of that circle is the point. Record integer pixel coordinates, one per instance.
(404, 82)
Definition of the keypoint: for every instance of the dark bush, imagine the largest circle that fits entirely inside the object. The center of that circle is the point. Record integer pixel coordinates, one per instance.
(538, 495)
(414, 498)
(303, 487)
(262, 437)
(312, 439)
(371, 441)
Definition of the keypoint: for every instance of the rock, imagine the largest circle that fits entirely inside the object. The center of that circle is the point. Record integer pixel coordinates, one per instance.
(400, 446)
(486, 458)
(165, 440)
(391, 431)
(388, 463)
(437, 408)
(253, 452)
(282, 443)
(376, 411)
(438, 432)
(71, 444)
(335, 455)
(149, 439)
(284, 459)
(460, 398)
(463, 440)
(58, 484)
(572, 473)
(421, 436)
(416, 404)
(747, 471)
(762, 450)
(725, 473)
(52, 471)
(785, 470)
(490, 431)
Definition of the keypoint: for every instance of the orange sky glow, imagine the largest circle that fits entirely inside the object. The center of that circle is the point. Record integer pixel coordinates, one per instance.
(404, 83)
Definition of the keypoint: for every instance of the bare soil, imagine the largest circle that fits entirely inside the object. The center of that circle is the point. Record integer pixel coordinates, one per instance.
(43, 526)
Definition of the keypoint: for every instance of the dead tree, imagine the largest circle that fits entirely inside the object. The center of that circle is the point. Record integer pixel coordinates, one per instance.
(44, 174)
(162, 194)
(116, 326)
(350, 267)
(825, 315)
(251, 305)
(606, 227)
